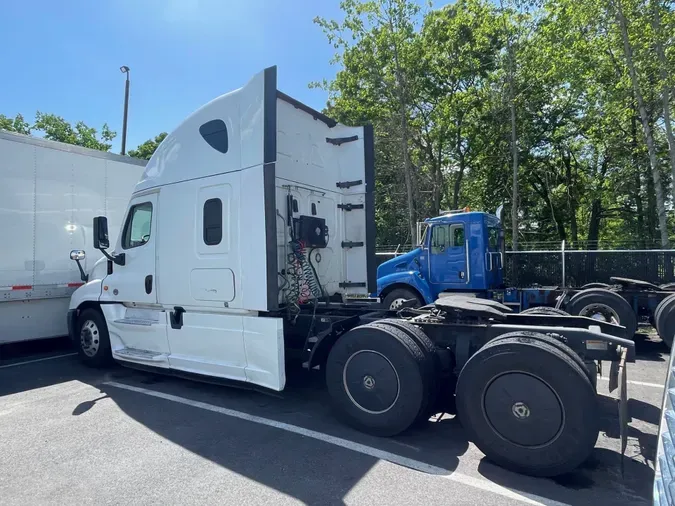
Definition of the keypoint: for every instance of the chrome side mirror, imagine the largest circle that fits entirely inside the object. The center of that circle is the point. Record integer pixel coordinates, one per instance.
(77, 255)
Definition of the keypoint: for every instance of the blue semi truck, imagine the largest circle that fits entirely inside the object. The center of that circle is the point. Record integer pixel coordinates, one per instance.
(462, 252)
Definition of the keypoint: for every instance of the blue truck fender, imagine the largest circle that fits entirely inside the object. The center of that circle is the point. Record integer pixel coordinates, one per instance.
(411, 279)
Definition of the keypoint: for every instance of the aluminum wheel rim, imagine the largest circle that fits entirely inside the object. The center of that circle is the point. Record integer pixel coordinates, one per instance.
(397, 303)
(369, 378)
(600, 312)
(90, 338)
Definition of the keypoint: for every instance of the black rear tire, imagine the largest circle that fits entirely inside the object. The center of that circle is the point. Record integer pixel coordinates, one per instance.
(659, 308)
(556, 343)
(603, 300)
(430, 365)
(93, 341)
(664, 320)
(375, 380)
(528, 406)
(595, 285)
(546, 311)
(394, 298)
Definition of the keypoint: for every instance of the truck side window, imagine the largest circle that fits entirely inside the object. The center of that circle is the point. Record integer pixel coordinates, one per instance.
(493, 238)
(457, 235)
(439, 238)
(213, 222)
(138, 226)
(214, 133)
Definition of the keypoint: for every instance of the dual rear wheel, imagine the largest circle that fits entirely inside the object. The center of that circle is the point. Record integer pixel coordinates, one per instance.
(664, 320)
(381, 377)
(525, 399)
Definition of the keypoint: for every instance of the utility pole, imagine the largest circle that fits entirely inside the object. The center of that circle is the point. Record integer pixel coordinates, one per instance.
(125, 70)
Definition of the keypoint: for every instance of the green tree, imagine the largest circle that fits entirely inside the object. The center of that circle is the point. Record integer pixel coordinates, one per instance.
(56, 128)
(17, 124)
(379, 48)
(144, 151)
(588, 84)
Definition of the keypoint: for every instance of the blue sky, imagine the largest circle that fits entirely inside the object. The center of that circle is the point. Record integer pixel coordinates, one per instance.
(63, 57)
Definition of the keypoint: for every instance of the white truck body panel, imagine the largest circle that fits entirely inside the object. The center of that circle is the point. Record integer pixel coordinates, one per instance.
(202, 306)
(50, 192)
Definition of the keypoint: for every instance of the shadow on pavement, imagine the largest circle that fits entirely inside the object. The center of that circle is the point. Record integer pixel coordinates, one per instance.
(30, 350)
(650, 347)
(600, 476)
(309, 470)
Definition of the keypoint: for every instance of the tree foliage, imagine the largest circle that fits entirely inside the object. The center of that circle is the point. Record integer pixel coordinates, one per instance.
(16, 124)
(485, 98)
(145, 150)
(56, 128)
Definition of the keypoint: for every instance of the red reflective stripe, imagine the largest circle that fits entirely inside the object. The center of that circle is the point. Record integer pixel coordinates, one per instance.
(71, 285)
(22, 287)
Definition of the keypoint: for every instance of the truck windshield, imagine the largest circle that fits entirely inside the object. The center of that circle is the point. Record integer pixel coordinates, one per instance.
(422, 228)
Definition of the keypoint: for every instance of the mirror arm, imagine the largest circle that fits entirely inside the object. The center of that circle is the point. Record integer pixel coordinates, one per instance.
(117, 259)
(83, 276)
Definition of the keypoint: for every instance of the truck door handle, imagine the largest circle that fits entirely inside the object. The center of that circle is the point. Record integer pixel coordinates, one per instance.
(148, 283)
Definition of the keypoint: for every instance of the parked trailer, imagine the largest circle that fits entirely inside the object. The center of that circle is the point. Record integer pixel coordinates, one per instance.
(462, 252)
(264, 219)
(50, 194)
(626, 301)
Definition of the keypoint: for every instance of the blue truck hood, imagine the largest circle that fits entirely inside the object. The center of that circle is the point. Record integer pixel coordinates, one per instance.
(401, 263)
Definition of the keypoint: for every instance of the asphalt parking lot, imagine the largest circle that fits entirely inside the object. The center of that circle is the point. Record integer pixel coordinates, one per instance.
(70, 434)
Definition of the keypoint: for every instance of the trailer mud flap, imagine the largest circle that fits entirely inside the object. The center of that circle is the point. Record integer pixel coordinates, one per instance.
(618, 378)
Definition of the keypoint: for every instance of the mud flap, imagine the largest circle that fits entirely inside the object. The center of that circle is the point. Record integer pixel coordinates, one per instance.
(618, 378)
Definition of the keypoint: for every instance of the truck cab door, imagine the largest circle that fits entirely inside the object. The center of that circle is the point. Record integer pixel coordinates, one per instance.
(494, 268)
(137, 324)
(447, 257)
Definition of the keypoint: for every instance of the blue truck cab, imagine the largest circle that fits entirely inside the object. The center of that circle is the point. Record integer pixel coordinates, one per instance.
(460, 252)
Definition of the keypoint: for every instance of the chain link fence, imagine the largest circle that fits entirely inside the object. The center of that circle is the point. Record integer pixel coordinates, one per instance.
(588, 263)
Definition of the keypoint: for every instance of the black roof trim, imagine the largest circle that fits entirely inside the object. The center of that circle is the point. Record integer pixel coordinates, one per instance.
(299, 105)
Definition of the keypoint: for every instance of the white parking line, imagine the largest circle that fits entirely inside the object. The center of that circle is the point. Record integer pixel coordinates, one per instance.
(641, 383)
(417, 465)
(37, 360)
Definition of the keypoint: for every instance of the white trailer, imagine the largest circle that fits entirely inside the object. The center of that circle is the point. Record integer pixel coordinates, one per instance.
(253, 222)
(49, 194)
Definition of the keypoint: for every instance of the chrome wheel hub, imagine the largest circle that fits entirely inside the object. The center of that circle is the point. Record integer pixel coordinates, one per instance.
(89, 338)
(600, 312)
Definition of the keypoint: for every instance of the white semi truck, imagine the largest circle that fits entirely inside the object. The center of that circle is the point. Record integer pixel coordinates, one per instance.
(250, 229)
(49, 194)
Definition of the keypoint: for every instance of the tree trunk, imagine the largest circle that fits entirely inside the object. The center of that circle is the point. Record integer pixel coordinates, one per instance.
(407, 172)
(462, 165)
(638, 183)
(656, 175)
(458, 181)
(407, 166)
(594, 224)
(514, 136)
(438, 186)
(571, 199)
(665, 88)
(640, 210)
(651, 208)
(514, 155)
